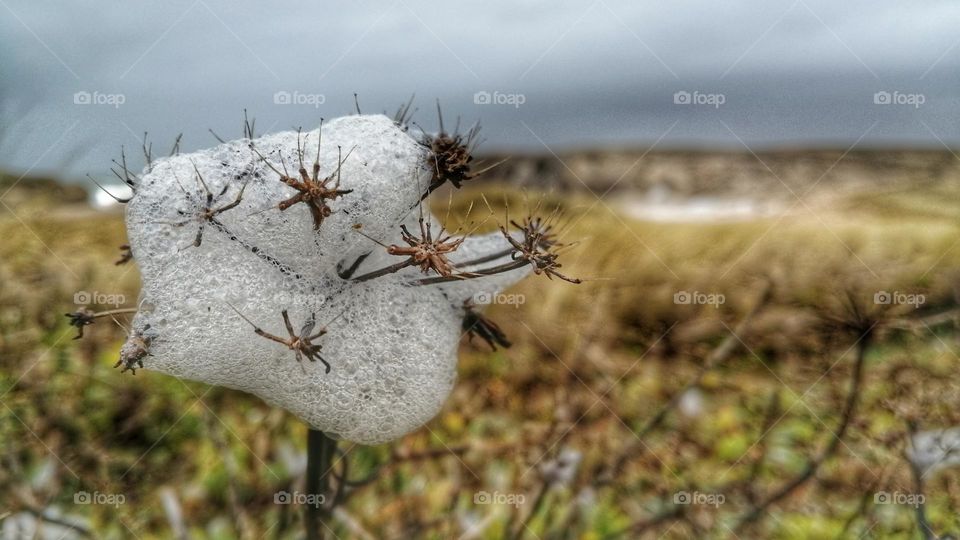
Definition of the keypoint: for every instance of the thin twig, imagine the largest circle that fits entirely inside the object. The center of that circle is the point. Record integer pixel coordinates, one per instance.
(853, 396)
(717, 356)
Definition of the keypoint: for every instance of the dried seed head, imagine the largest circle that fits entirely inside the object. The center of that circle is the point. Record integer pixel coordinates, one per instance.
(133, 351)
(80, 318)
(312, 190)
(126, 255)
(425, 251)
(450, 155)
(300, 343)
(538, 247)
(475, 324)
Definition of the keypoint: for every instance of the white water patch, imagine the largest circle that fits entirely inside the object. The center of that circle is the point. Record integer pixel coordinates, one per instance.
(101, 200)
(660, 205)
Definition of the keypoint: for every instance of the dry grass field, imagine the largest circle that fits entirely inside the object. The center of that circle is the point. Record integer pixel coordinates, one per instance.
(613, 402)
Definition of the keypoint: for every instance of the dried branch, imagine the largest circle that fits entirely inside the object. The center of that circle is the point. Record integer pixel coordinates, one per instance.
(147, 152)
(248, 127)
(121, 200)
(476, 325)
(127, 177)
(537, 249)
(810, 470)
(85, 317)
(175, 150)
(301, 343)
(717, 356)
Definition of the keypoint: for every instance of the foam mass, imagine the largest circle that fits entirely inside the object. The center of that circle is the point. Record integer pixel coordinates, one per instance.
(391, 345)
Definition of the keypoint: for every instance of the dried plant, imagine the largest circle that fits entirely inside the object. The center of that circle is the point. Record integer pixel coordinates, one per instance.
(136, 348)
(451, 154)
(429, 257)
(301, 343)
(475, 324)
(205, 211)
(83, 317)
(312, 190)
(126, 255)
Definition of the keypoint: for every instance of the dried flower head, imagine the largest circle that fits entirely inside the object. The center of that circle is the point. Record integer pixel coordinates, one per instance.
(450, 155)
(301, 343)
(475, 324)
(126, 255)
(312, 190)
(425, 251)
(204, 211)
(134, 350)
(538, 248)
(80, 318)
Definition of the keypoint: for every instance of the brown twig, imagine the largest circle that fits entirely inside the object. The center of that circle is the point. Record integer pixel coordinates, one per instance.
(810, 470)
(717, 356)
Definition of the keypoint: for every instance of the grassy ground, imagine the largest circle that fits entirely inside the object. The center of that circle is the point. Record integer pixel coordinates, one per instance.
(591, 365)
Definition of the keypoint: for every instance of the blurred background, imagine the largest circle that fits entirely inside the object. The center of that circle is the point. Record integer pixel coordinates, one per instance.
(765, 196)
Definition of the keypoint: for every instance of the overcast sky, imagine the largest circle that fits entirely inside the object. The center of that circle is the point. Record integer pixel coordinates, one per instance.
(560, 74)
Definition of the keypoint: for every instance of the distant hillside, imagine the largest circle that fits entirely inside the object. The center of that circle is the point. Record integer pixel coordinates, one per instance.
(681, 173)
(728, 173)
(39, 189)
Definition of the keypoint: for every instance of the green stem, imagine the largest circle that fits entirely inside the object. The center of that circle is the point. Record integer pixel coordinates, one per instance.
(320, 453)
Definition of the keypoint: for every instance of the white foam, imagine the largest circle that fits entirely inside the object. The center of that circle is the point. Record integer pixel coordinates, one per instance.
(393, 348)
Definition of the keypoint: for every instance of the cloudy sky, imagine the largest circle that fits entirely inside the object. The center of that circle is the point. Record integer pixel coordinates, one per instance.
(79, 79)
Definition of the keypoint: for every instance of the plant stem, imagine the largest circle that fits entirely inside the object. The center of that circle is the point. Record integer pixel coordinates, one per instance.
(486, 258)
(320, 452)
(506, 267)
(110, 312)
(386, 270)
